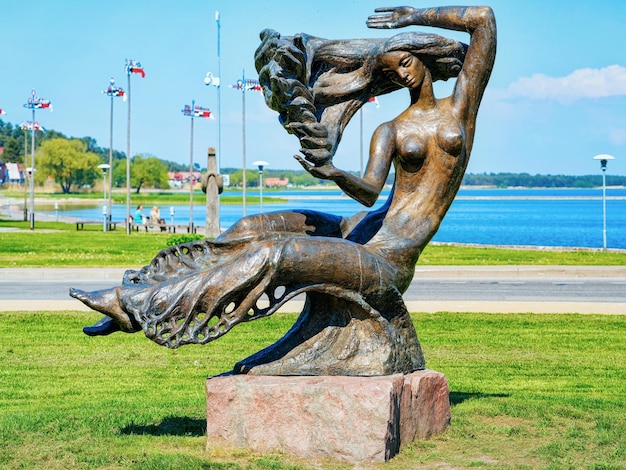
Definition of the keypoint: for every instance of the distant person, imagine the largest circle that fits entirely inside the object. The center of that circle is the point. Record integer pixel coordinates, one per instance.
(155, 218)
(138, 217)
(155, 215)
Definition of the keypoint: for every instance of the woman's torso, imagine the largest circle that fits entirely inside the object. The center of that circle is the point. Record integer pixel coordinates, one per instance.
(430, 157)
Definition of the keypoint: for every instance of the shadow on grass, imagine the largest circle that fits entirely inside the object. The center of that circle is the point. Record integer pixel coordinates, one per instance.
(456, 398)
(170, 426)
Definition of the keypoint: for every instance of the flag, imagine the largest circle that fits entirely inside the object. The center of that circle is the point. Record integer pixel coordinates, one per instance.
(133, 66)
(197, 111)
(249, 84)
(115, 91)
(202, 112)
(2, 111)
(373, 99)
(28, 125)
(138, 70)
(253, 85)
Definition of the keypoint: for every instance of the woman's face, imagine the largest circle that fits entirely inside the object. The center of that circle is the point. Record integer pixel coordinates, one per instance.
(403, 68)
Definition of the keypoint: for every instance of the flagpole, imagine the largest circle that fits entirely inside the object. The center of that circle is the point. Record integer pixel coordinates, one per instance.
(192, 112)
(361, 138)
(110, 199)
(25, 165)
(193, 107)
(131, 66)
(33, 103)
(128, 231)
(243, 128)
(219, 92)
(243, 85)
(111, 91)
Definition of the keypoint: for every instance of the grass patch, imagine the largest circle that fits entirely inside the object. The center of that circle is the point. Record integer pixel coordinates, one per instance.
(57, 244)
(459, 255)
(527, 391)
(78, 248)
(149, 198)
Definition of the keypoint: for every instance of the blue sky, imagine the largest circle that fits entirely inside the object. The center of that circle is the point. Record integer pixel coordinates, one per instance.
(557, 96)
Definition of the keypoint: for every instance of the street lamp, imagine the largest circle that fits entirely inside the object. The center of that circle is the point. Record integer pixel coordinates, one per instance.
(131, 66)
(260, 164)
(192, 112)
(604, 158)
(33, 103)
(210, 79)
(31, 205)
(112, 91)
(107, 208)
(243, 85)
(27, 126)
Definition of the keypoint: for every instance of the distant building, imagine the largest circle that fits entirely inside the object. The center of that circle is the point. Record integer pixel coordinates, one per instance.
(11, 173)
(178, 178)
(276, 182)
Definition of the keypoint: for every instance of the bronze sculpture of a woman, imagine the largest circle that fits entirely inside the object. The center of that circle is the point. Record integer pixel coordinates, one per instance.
(353, 270)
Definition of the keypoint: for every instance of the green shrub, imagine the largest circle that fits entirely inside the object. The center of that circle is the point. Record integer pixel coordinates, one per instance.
(183, 238)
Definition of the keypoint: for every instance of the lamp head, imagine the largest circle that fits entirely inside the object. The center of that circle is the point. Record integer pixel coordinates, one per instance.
(260, 164)
(604, 158)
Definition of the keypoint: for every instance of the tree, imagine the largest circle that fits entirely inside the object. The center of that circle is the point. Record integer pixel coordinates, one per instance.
(13, 151)
(68, 162)
(149, 171)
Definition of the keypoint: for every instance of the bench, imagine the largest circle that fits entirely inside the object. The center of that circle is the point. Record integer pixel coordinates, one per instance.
(81, 224)
(148, 227)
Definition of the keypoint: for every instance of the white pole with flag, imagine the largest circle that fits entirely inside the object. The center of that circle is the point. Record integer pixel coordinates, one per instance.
(111, 91)
(243, 85)
(131, 67)
(193, 111)
(33, 103)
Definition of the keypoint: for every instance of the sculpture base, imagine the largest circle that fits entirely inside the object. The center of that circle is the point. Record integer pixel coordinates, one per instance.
(354, 419)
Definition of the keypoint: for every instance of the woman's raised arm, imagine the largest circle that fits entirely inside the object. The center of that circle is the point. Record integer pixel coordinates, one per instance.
(479, 22)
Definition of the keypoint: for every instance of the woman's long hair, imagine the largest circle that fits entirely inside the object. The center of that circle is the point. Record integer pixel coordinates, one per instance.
(317, 85)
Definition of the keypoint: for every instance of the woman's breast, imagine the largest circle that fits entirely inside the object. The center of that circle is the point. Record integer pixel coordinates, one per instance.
(414, 147)
(450, 139)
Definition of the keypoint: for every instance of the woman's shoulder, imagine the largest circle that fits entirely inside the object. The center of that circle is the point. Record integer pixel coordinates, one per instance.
(388, 127)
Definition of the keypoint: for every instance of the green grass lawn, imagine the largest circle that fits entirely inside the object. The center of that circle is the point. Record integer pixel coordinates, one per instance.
(528, 391)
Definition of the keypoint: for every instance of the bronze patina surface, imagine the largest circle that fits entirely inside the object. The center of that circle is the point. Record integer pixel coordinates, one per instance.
(353, 270)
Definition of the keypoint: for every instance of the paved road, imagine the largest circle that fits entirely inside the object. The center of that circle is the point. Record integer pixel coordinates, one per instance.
(552, 289)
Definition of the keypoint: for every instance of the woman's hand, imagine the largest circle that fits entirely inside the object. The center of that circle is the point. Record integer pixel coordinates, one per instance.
(327, 171)
(396, 17)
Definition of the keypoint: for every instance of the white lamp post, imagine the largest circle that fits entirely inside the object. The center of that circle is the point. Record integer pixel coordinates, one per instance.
(131, 66)
(104, 167)
(243, 85)
(604, 158)
(260, 164)
(28, 126)
(33, 103)
(112, 91)
(192, 112)
(31, 205)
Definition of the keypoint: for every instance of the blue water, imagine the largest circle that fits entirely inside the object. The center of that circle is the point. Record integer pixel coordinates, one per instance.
(533, 217)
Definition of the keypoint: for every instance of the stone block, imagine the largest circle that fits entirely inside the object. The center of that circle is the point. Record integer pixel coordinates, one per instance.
(354, 419)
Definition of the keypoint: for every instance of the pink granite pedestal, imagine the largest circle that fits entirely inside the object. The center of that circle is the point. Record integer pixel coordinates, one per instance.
(354, 419)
